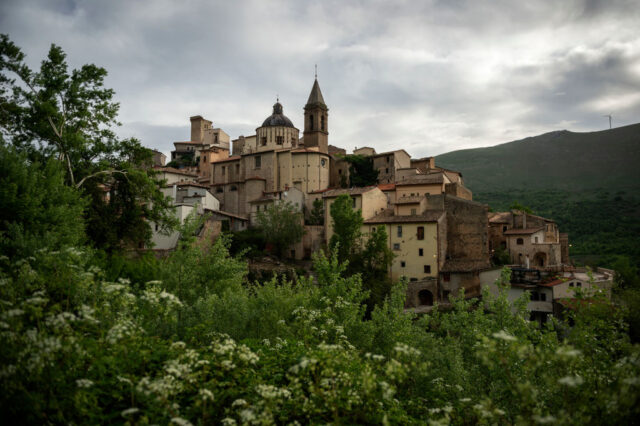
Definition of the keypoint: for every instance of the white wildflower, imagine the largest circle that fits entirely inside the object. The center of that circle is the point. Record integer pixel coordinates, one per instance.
(12, 313)
(178, 345)
(124, 380)
(571, 381)
(129, 411)
(503, 335)
(206, 394)
(228, 365)
(228, 421)
(239, 403)
(84, 383)
(180, 421)
(544, 420)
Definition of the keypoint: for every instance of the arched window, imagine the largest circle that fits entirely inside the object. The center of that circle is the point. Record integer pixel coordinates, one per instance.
(426, 298)
(322, 122)
(311, 122)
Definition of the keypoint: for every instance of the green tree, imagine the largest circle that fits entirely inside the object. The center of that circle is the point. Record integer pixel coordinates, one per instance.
(282, 225)
(347, 224)
(316, 217)
(37, 210)
(361, 170)
(517, 206)
(375, 260)
(69, 116)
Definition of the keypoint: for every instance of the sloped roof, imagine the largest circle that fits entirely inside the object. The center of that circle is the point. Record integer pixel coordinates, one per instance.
(434, 178)
(464, 265)
(412, 199)
(429, 216)
(232, 158)
(387, 186)
(527, 231)
(499, 217)
(349, 191)
(315, 97)
(175, 171)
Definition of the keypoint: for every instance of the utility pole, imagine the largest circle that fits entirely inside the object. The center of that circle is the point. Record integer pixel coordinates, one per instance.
(609, 119)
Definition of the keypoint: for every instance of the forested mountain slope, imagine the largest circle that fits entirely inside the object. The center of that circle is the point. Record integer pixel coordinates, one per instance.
(587, 182)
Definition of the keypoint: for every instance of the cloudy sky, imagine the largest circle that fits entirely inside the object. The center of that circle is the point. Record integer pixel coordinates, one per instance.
(427, 76)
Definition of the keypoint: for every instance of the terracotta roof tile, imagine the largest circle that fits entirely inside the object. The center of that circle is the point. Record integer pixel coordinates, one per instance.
(349, 191)
(526, 231)
(429, 216)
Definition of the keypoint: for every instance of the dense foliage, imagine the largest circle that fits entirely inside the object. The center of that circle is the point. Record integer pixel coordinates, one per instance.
(361, 170)
(68, 116)
(282, 225)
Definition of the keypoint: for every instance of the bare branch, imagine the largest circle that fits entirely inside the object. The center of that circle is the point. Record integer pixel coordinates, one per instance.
(102, 172)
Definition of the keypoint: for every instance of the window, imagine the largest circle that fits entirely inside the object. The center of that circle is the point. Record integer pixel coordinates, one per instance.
(293, 141)
(311, 122)
(215, 138)
(353, 202)
(323, 162)
(339, 171)
(446, 276)
(543, 297)
(421, 232)
(280, 140)
(399, 231)
(223, 170)
(536, 239)
(420, 252)
(257, 208)
(233, 188)
(258, 161)
(219, 190)
(263, 140)
(535, 296)
(386, 170)
(519, 241)
(427, 269)
(388, 157)
(413, 212)
(413, 279)
(204, 159)
(504, 229)
(579, 284)
(322, 122)
(570, 284)
(156, 226)
(237, 169)
(403, 264)
(396, 246)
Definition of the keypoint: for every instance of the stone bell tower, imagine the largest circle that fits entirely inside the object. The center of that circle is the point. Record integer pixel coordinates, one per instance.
(316, 120)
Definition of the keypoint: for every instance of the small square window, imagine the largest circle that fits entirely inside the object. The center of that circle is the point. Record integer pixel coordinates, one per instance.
(399, 231)
(396, 246)
(413, 212)
(579, 284)
(420, 252)
(280, 140)
(427, 269)
(543, 297)
(446, 276)
(263, 140)
(421, 232)
(403, 264)
(258, 161)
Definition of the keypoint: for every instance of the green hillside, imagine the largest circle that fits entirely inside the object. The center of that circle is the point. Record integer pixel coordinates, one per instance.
(588, 182)
(608, 159)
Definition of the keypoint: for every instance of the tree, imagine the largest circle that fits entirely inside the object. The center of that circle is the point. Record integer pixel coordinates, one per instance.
(361, 170)
(282, 225)
(316, 217)
(69, 116)
(517, 206)
(347, 223)
(376, 259)
(37, 210)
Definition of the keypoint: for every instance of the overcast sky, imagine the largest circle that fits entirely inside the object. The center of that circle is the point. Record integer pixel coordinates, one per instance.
(426, 76)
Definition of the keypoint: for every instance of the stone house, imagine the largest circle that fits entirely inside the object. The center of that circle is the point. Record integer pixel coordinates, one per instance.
(172, 176)
(532, 241)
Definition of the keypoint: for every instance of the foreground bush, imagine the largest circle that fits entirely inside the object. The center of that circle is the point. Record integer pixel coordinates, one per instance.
(79, 349)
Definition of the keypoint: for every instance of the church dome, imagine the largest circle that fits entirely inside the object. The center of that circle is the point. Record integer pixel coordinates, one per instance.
(277, 118)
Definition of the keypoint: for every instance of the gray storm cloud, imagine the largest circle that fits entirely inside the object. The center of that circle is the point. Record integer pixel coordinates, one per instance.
(429, 77)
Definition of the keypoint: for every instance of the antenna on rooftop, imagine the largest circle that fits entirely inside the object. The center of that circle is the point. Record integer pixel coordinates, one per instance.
(609, 115)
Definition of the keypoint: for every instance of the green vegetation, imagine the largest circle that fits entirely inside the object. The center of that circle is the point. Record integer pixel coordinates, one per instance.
(55, 114)
(587, 182)
(282, 226)
(90, 337)
(361, 170)
(316, 216)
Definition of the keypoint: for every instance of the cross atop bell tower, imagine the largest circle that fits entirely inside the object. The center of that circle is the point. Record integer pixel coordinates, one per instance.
(316, 119)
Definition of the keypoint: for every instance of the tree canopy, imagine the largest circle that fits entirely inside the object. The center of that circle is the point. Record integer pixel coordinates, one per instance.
(68, 116)
(282, 225)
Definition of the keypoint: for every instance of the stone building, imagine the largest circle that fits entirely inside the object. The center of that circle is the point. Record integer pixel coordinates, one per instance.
(203, 137)
(531, 241)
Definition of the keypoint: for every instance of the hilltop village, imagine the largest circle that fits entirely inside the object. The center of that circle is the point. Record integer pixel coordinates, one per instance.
(443, 241)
